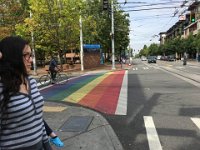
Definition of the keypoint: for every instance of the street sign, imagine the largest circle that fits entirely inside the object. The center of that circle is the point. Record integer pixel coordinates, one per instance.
(91, 46)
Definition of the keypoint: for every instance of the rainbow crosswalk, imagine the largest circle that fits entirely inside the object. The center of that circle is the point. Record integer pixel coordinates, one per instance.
(105, 92)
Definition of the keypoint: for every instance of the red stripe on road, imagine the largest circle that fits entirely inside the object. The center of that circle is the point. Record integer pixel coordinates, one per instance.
(95, 94)
(104, 96)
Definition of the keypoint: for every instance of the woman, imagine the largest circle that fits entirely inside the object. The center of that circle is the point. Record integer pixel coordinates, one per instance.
(21, 115)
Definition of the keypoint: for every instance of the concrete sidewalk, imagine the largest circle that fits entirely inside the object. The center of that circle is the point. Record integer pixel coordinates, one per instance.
(80, 128)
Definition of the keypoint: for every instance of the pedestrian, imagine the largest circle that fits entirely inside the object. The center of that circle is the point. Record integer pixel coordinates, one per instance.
(184, 59)
(53, 137)
(53, 68)
(21, 104)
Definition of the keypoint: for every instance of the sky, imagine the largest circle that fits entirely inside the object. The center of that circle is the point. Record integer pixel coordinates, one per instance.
(145, 25)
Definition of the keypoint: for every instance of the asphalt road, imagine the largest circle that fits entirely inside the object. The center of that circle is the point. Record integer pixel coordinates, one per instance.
(150, 106)
(163, 109)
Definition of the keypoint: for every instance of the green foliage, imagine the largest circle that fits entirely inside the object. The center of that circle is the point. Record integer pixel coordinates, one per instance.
(144, 51)
(12, 13)
(153, 49)
(56, 28)
(178, 45)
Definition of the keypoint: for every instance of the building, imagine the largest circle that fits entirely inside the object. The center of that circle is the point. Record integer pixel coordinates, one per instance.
(194, 20)
(188, 24)
(162, 37)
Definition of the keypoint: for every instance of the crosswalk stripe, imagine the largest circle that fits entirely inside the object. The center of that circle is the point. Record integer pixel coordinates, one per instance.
(135, 68)
(196, 121)
(144, 68)
(122, 100)
(152, 136)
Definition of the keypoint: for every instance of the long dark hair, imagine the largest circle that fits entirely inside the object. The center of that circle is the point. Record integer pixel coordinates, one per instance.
(12, 68)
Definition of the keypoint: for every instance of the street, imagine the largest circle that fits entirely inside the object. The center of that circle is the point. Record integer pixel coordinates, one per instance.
(162, 107)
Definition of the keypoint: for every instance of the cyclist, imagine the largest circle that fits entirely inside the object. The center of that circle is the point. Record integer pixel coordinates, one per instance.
(53, 68)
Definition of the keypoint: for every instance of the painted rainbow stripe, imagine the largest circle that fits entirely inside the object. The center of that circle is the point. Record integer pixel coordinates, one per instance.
(101, 92)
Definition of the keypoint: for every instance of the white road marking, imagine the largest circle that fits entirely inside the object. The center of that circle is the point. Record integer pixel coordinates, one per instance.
(152, 136)
(196, 121)
(135, 68)
(122, 100)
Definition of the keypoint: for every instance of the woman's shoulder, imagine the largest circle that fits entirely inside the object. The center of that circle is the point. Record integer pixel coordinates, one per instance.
(32, 80)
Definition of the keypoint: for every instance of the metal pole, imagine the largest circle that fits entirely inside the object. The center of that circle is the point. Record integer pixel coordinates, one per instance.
(33, 49)
(112, 36)
(81, 44)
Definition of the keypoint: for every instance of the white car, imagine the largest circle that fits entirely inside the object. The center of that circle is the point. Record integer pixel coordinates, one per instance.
(143, 58)
(159, 57)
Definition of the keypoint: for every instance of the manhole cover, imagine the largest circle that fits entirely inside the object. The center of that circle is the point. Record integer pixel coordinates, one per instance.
(77, 124)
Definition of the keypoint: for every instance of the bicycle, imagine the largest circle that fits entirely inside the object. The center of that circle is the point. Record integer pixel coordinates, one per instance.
(46, 79)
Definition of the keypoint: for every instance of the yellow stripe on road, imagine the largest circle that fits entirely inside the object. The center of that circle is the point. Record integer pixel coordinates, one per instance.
(53, 109)
(79, 94)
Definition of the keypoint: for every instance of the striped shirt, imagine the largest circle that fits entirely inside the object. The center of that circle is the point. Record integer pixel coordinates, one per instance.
(23, 125)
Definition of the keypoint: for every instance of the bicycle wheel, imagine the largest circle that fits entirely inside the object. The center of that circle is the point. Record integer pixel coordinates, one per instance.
(61, 79)
(45, 80)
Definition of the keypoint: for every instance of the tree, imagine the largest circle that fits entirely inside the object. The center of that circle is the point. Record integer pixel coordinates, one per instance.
(153, 49)
(12, 12)
(144, 51)
(55, 24)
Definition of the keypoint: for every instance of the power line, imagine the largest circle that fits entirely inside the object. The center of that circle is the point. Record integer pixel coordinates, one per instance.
(150, 17)
(131, 2)
(153, 4)
(151, 8)
(141, 19)
(128, 2)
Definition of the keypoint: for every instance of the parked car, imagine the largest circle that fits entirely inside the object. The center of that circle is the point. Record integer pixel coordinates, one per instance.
(164, 58)
(159, 57)
(171, 58)
(151, 59)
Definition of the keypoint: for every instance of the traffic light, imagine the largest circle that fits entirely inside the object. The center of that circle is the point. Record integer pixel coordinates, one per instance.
(105, 4)
(192, 18)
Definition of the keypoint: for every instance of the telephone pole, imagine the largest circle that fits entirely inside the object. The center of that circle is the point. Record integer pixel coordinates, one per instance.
(33, 49)
(81, 44)
(112, 36)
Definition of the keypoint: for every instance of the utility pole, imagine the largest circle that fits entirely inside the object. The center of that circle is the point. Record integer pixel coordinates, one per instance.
(33, 49)
(81, 44)
(112, 36)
